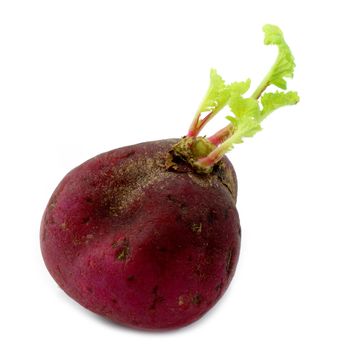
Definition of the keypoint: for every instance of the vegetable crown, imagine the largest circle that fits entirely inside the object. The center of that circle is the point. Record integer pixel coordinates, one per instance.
(247, 112)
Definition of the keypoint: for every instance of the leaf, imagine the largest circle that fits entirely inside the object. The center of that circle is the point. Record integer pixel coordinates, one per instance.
(273, 100)
(246, 120)
(244, 107)
(284, 65)
(239, 87)
(217, 94)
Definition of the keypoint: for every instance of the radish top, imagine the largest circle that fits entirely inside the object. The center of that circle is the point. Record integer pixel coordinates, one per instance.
(247, 112)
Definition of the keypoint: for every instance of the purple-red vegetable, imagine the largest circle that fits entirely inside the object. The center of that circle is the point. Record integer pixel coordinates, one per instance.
(149, 235)
(141, 244)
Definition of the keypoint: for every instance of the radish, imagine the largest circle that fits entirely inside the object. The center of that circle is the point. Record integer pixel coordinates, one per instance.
(148, 235)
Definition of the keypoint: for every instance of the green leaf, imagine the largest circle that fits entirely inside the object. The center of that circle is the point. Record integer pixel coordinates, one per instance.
(244, 107)
(246, 120)
(240, 87)
(217, 94)
(273, 100)
(244, 128)
(284, 65)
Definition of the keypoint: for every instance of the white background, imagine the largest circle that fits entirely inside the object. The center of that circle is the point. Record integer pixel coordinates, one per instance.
(81, 77)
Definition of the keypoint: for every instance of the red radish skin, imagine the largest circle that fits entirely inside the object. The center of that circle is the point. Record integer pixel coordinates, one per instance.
(140, 242)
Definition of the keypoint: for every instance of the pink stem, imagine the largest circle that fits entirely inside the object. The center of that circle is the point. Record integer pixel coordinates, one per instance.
(193, 128)
(211, 159)
(198, 124)
(222, 135)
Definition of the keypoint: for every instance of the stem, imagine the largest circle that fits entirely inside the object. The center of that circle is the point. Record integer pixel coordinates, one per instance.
(210, 160)
(193, 128)
(222, 135)
(215, 155)
(265, 82)
(197, 124)
(262, 87)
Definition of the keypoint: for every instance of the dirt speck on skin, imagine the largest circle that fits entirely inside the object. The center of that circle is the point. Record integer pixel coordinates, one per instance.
(64, 226)
(156, 298)
(52, 203)
(197, 228)
(183, 206)
(122, 249)
(219, 287)
(181, 300)
(77, 241)
(131, 278)
(123, 254)
(187, 300)
(196, 299)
